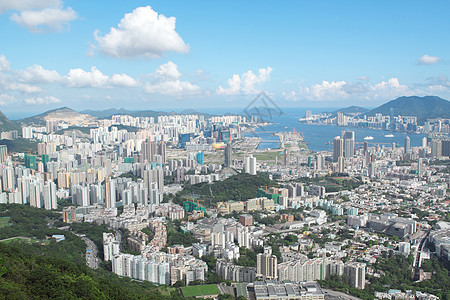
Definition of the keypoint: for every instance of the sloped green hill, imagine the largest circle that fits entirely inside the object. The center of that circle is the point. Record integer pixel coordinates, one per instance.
(7, 125)
(423, 108)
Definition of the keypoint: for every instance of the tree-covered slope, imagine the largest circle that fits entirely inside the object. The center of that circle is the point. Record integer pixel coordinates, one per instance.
(423, 108)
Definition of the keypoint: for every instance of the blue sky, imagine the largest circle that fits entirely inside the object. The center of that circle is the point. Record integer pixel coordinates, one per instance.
(204, 54)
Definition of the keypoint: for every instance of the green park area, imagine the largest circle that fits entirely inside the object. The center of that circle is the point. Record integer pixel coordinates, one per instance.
(200, 290)
(22, 239)
(4, 221)
(269, 156)
(166, 291)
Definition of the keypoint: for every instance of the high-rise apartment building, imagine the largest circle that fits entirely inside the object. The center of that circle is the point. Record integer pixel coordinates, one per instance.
(338, 148)
(349, 143)
(267, 264)
(228, 155)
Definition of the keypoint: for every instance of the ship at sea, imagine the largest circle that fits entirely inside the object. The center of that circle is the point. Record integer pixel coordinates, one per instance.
(389, 135)
(368, 138)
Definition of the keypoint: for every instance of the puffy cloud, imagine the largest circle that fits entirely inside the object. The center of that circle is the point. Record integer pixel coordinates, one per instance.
(95, 78)
(389, 89)
(167, 71)
(123, 80)
(50, 18)
(167, 82)
(142, 32)
(37, 74)
(6, 5)
(82, 78)
(5, 99)
(22, 87)
(245, 83)
(438, 84)
(42, 100)
(173, 88)
(4, 64)
(338, 90)
(429, 60)
(327, 89)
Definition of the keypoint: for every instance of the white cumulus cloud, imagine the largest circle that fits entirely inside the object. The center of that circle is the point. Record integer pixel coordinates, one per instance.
(42, 100)
(142, 33)
(429, 60)
(123, 80)
(37, 74)
(50, 18)
(6, 99)
(167, 82)
(95, 78)
(339, 90)
(173, 88)
(22, 87)
(6, 5)
(167, 71)
(81, 78)
(245, 83)
(4, 64)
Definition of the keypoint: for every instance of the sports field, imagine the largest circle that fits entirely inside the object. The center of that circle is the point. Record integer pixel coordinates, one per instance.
(200, 290)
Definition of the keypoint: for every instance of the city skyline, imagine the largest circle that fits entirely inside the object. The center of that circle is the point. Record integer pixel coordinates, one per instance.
(162, 55)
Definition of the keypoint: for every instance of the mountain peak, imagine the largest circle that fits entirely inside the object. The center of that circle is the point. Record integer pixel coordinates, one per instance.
(427, 107)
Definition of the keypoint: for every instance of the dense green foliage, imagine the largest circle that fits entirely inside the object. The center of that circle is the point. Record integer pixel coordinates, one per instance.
(126, 127)
(33, 222)
(247, 257)
(332, 183)
(423, 108)
(30, 276)
(48, 269)
(93, 232)
(84, 130)
(238, 187)
(126, 247)
(129, 175)
(175, 237)
(20, 145)
(25, 221)
(8, 125)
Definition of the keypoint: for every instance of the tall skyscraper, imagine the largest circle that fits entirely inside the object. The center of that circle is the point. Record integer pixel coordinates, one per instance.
(365, 147)
(424, 142)
(228, 155)
(419, 167)
(445, 146)
(341, 164)
(407, 145)
(320, 162)
(356, 273)
(110, 193)
(349, 143)
(287, 157)
(148, 149)
(436, 148)
(3, 153)
(162, 151)
(338, 148)
(267, 264)
(250, 165)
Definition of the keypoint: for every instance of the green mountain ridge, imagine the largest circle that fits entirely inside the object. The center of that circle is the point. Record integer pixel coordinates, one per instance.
(351, 110)
(423, 108)
(108, 113)
(60, 113)
(6, 124)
